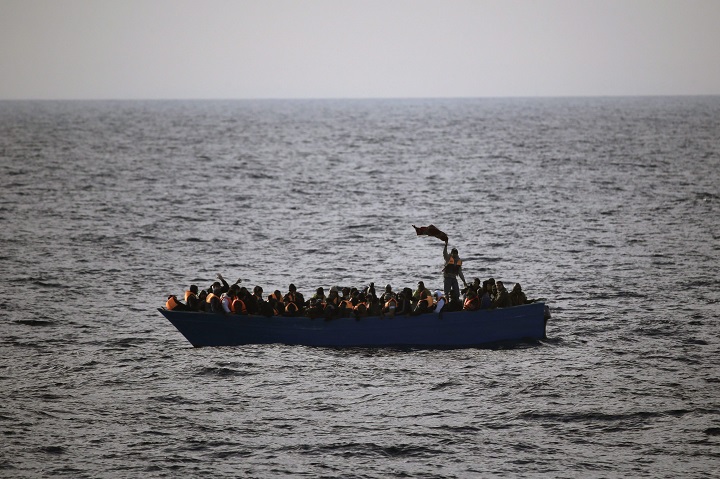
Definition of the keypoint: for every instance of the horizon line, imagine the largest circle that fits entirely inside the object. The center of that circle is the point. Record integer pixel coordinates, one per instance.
(498, 97)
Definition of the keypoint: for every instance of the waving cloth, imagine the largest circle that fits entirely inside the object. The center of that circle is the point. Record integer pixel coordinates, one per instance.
(430, 231)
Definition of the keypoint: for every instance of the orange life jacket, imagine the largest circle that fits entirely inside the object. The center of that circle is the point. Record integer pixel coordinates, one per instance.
(171, 303)
(291, 308)
(471, 304)
(238, 306)
(392, 302)
(189, 293)
(209, 298)
(428, 300)
(452, 266)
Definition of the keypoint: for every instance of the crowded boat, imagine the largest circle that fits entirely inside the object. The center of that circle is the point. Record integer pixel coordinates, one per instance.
(340, 302)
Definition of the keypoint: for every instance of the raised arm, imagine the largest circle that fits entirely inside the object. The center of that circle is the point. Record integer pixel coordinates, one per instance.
(225, 285)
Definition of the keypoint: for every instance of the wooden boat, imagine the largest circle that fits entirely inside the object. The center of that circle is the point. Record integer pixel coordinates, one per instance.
(444, 330)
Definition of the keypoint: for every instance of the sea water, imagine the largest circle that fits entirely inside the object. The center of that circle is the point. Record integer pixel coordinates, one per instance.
(607, 207)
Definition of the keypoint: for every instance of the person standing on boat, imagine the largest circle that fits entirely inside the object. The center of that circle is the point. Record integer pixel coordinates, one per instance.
(451, 271)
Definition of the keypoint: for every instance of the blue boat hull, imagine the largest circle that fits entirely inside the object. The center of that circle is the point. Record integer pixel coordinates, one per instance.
(448, 330)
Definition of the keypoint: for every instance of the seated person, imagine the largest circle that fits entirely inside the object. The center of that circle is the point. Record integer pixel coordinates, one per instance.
(502, 300)
(173, 304)
(486, 297)
(276, 303)
(416, 295)
(440, 301)
(238, 304)
(361, 307)
(390, 304)
(315, 308)
(472, 302)
(294, 301)
(191, 298)
(424, 305)
(517, 297)
(332, 303)
(213, 303)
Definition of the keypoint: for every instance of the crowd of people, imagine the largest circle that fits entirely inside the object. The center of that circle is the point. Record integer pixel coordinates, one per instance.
(224, 298)
(339, 302)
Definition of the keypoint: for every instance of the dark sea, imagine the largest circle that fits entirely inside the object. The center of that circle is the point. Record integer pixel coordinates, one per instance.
(607, 207)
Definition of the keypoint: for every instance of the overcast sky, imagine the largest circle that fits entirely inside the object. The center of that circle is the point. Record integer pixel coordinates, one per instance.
(58, 49)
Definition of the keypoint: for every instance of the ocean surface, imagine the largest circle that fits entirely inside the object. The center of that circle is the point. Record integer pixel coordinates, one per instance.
(607, 207)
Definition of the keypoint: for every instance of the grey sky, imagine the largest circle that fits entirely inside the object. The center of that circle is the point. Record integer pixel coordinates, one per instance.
(355, 49)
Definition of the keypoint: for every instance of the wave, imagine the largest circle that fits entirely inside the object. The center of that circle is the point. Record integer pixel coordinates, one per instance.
(35, 322)
(223, 372)
(367, 449)
(632, 418)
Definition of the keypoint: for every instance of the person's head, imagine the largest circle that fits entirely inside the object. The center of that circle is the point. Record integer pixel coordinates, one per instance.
(203, 294)
(292, 288)
(320, 291)
(216, 287)
(388, 288)
(476, 282)
(500, 286)
(194, 289)
(421, 285)
(454, 252)
(517, 288)
(257, 290)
